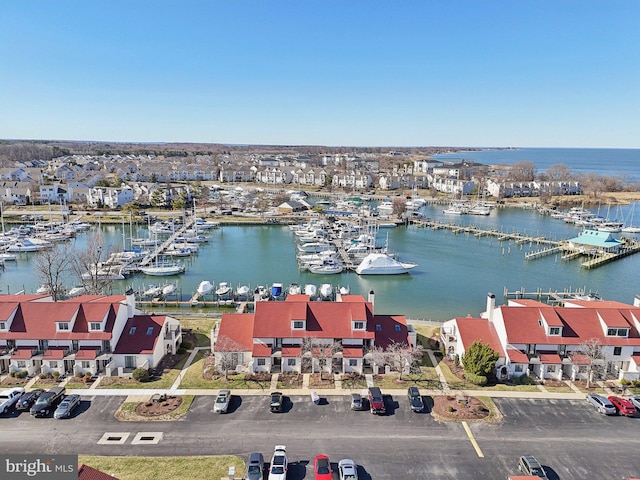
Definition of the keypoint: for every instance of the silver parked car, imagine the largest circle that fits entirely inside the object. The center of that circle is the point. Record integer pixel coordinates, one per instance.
(222, 401)
(347, 469)
(635, 400)
(67, 406)
(601, 403)
(255, 467)
(531, 467)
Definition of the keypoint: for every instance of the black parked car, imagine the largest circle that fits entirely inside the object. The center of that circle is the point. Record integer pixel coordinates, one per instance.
(415, 399)
(27, 399)
(277, 400)
(47, 402)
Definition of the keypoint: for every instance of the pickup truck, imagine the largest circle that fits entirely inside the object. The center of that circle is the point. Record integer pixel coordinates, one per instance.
(9, 397)
(376, 401)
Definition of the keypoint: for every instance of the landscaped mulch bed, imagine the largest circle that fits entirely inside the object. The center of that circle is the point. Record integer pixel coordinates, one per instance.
(155, 409)
(318, 381)
(290, 380)
(447, 407)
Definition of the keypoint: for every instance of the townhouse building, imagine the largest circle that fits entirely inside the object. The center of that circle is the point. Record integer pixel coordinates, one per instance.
(90, 334)
(110, 197)
(299, 335)
(548, 342)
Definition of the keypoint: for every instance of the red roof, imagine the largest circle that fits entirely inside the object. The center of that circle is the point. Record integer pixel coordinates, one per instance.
(352, 352)
(261, 350)
(140, 334)
(239, 328)
(86, 354)
(291, 351)
(580, 359)
(472, 329)
(22, 354)
(85, 472)
(393, 329)
(516, 356)
(54, 353)
(550, 359)
(6, 309)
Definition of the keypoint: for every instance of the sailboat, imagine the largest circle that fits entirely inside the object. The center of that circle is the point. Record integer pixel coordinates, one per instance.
(631, 228)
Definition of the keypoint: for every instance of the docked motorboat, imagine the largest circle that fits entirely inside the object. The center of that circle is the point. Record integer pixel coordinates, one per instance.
(77, 291)
(294, 289)
(260, 293)
(311, 290)
(345, 290)
(152, 291)
(224, 290)
(7, 257)
(326, 291)
(242, 291)
(168, 289)
(204, 287)
(455, 209)
(163, 269)
(314, 247)
(326, 268)
(43, 289)
(382, 264)
(277, 290)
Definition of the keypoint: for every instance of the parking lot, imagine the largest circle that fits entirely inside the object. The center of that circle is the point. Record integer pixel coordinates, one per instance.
(568, 437)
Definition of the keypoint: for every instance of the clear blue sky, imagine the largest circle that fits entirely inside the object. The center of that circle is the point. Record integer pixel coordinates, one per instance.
(361, 73)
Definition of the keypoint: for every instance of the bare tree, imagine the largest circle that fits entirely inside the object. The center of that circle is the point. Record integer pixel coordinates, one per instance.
(321, 349)
(90, 269)
(378, 356)
(558, 173)
(399, 206)
(52, 266)
(400, 355)
(524, 171)
(227, 354)
(591, 351)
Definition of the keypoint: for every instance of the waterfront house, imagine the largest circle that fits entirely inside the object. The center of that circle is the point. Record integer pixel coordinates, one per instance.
(87, 335)
(550, 342)
(299, 335)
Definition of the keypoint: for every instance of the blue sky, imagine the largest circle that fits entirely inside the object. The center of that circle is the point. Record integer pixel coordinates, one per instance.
(361, 73)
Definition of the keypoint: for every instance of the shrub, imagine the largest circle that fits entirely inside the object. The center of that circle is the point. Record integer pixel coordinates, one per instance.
(450, 409)
(56, 374)
(79, 374)
(186, 345)
(523, 380)
(625, 382)
(141, 375)
(22, 374)
(45, 375)
(479, 380)
(181, 351)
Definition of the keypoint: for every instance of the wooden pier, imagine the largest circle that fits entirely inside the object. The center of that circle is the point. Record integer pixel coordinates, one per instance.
(164, 245)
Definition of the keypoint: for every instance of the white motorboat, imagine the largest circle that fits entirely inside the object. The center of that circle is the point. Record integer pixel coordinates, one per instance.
(224, 289)
(313, 247)
(455, 209)
(104, 272)
(152, 291)
(311, 290)
(294, 289)
(326, 291)
(382, 264)
(479, 209)
(242, 291)
(326, 268)
(77, 291)
(204, 287)
(345, 290)
(28, 246)
(7, 257)
(260, 293)
(163, 269)
(168, 289)
(42, 289)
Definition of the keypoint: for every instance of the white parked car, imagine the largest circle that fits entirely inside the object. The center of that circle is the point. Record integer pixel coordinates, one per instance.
(222, 401)
(347, 469)
(9, 397)
(602, 404)
(279, 463)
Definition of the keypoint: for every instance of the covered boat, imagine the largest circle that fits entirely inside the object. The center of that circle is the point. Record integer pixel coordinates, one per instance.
(382, 264)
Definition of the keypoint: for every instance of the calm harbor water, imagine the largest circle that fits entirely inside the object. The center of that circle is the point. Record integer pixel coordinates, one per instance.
(454, 275)
(613, 162)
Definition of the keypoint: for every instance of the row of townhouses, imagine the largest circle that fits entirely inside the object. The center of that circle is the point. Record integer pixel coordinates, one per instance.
(549, 342)
(274, 337)
(88, 335)
(72, 179)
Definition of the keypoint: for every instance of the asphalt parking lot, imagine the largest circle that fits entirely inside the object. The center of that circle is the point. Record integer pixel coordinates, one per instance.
(568, 437)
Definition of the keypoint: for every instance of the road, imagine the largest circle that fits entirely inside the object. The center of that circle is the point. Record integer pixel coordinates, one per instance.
(567, 436)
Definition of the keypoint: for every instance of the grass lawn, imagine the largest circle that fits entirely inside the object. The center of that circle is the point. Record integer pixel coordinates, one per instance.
(426, 379)
(165, 381)
(240, 381)
(456, 383)
(193, 376)
(200, 327)
(76, 385)
(167, 468)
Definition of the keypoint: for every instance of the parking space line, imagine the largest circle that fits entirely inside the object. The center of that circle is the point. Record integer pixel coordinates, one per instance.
(472, 439)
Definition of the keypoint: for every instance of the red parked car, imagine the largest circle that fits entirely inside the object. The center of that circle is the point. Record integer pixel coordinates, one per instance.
(624, 406)
(322, 467)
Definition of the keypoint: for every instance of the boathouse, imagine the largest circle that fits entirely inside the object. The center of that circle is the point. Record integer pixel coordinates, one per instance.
(594, 241)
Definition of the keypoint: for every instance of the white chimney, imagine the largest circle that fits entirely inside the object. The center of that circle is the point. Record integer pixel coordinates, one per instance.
(491, 306)
(636, 301)
(371, 300)
(131, 302)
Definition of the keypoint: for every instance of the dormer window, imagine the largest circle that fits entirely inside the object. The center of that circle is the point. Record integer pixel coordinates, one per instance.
(617, 332)
(95, 326)
(297, 324)
(62, 326)
(358, 325)
(554, 330)
(3, 325)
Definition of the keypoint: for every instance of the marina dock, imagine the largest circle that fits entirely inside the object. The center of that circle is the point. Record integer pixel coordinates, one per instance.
(160, 249)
